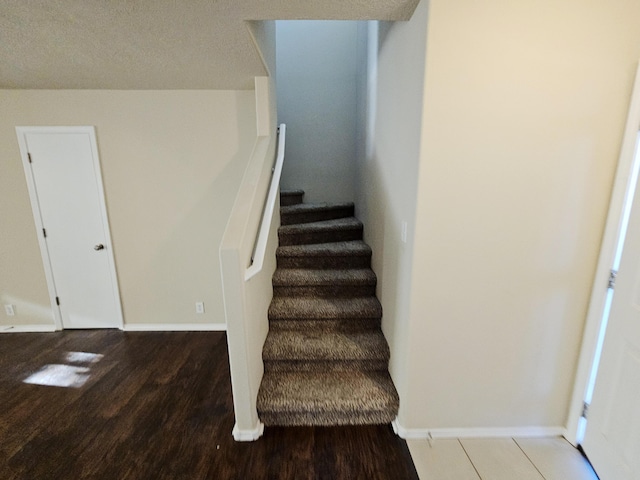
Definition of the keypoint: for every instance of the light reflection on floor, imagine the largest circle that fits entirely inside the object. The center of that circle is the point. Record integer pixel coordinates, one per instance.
(62, 375)
(83, 357)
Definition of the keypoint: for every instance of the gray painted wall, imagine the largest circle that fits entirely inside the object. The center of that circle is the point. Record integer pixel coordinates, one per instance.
(317, 83)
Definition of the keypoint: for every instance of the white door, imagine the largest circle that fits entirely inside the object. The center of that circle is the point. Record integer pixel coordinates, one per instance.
(63, 173)
(612, 437)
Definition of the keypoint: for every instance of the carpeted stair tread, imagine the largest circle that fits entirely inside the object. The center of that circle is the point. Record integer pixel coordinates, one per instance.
(342, 249)
(291, 197)
(327, 398)
(314, 207)
(287, 277)
(325, 231)
(334, 224)
(326, 324)
(357, 282)
(314, 212)
(313, 345)
(317, 308)
(332, 255)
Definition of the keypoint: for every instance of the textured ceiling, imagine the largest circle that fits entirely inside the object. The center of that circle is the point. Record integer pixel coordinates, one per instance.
(152, 44)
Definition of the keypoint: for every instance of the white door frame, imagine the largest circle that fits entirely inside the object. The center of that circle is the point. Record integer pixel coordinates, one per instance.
(605, 261)
(35, 207)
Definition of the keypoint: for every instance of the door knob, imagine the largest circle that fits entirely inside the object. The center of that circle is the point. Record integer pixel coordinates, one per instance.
(99, 247)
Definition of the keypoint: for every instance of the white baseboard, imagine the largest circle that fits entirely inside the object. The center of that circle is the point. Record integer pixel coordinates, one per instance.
(175, 327)
(129, 327)
(27, 328)
(248, 435)
(497, 432)
(506, 432)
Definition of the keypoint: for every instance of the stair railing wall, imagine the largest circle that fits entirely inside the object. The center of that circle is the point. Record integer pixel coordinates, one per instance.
(247, 258)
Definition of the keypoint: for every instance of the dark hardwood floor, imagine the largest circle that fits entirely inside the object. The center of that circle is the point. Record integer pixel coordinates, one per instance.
(158, 406)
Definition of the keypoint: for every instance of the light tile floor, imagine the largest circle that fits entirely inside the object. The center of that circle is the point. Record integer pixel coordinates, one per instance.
(499, 459)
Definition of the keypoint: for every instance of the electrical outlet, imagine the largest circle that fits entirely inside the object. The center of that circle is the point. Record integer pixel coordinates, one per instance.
(10, 311)
(199, 307)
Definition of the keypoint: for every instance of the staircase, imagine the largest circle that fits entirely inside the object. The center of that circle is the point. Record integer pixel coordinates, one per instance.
(325, 357)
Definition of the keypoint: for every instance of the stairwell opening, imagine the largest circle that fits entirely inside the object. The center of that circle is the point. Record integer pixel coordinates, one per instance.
(325, 358)
(320, 78)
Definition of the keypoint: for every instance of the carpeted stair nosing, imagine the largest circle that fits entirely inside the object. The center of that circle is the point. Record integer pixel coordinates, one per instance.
(318, 351)
(326, 324)
(313, 207)
(334, 255)
(311, 345)
(323, 225)
(288, 193)
(327, 398)
(336, 230)
(312, 277)
(282, 308)
(307, 282)
(326, 365)
(355, 247)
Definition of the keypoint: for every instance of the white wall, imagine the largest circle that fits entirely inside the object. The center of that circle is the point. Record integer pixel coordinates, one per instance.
(172, 162)
(387, 173)
(247, 302)
(316, 85)
(524, 110)
(247, 285)
(495, 133)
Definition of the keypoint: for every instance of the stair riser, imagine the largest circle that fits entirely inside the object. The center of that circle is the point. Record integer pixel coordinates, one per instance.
(325, 365)
(339, 315)
(324, 291)
(329, 418)
(287, 200)
(326, 236)
(325, 261)
(292, 218)
(337, 325)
